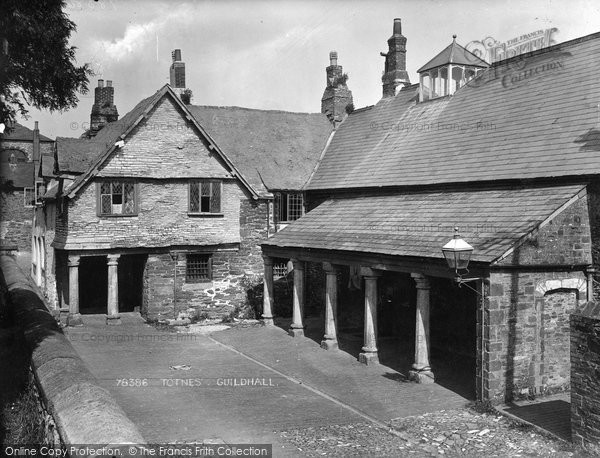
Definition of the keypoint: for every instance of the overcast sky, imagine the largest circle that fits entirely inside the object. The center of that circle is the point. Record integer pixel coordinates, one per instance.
(273, 54)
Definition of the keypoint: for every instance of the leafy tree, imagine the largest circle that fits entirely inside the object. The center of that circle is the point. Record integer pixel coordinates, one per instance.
(186, 96)
(37, 65)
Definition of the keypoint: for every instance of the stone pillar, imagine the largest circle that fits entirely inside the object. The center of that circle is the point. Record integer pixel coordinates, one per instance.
(297, 327)
(589, 274)
(38, 263)
(369, 350)
(113, 316)
(421, 372)
(74, 317)
(267, 314)
(330, 341)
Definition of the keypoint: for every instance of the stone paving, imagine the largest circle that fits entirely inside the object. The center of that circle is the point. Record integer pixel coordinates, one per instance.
(172, 385)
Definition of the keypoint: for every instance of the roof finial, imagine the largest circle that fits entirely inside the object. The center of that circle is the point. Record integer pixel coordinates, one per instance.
(454, 37)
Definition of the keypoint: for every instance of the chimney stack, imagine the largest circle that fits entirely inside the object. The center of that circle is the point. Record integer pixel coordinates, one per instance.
(104, 109)
(36, 143)
(336, 102)
(395, 75)
(177, 71)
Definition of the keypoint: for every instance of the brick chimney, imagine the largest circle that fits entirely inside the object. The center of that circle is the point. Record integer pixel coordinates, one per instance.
(395, 76)
(336, 102)
(177, 71)
(104, 109)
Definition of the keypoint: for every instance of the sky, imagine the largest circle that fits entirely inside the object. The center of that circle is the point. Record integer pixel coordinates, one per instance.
(272, 54)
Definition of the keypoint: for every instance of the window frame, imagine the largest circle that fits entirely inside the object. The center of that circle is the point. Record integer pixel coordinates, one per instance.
(287, 196)
(123, 182)
(189, 278)
(212, 183)
(31, 190)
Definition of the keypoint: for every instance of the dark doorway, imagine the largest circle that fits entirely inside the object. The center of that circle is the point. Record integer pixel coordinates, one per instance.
(131, 282)
(453, 331)
(93, 284)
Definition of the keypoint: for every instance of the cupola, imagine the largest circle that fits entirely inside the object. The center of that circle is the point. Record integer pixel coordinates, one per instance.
(448, 71)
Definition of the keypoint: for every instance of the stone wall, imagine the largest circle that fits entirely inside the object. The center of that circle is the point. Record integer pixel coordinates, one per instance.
(527, 334)
(233, 270)
(585, 375)
(15, 220)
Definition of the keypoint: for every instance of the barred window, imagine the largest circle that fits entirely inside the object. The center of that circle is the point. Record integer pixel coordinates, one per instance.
(198, 268)
(290, 205)
(280, 269)
(116, 198)
(205, 196)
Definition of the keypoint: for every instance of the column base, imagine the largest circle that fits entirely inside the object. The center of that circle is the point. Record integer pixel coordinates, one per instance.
(113, 320)
(329, 344)
(74, 319)
(296, 332)
(368, 358)
(422, 376)
(267, 320)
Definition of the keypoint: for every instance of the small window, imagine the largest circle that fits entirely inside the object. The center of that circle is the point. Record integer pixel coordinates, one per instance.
(116, 198)
(280, 269)
(29, 197)
(205, 196)
(291, 206)
(198, 268)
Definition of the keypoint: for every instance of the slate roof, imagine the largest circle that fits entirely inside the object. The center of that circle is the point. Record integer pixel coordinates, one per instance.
(419, 224)
(22, 133)
(275, 150)
(454, 54)
(523, 118)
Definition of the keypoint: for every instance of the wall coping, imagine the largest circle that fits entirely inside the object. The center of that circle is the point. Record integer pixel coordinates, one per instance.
(84, 412)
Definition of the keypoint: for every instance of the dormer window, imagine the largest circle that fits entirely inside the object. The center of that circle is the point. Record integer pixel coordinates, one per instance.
(448, 71)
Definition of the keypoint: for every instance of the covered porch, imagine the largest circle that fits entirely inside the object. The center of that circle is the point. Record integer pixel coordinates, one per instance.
(396, 239)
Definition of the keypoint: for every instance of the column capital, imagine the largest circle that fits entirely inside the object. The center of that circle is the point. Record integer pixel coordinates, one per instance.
(421, 280)
(112, 259)
(367, 272)
(73, 260)
(331, 269)
(268, 260)
(298, 265)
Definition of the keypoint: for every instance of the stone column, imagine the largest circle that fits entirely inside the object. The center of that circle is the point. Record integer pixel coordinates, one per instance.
(589, 274)
(330, 341)
(113, 316)
(38, 263)
(297, 327)
(369, 350)
(421, 372)
(267, 314)
(74, 317)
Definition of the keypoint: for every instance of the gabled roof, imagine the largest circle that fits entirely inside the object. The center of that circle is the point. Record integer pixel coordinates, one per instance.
(22, 133)
(275, 150)
(534, 116)
(105, 140)
(454, 54)
(418, 224)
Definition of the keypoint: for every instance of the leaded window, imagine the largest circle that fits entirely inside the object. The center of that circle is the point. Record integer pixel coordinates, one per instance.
(290, 206)
(198, 268)
(117, 198)
(205, 196)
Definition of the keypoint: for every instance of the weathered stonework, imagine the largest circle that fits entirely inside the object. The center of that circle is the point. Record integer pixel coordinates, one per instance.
(585, 375)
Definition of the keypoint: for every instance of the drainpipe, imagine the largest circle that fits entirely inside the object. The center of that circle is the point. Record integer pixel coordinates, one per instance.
(174, 256)
(589, 273)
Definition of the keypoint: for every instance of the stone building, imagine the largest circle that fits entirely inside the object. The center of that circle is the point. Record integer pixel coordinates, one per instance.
(509, 155)
(163, 210)
(20, 152)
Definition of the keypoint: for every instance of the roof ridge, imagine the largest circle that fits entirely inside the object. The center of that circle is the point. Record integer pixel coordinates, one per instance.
(225, 107)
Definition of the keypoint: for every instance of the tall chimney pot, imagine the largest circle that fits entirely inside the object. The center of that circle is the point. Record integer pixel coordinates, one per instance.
(397, 26)
(333, 56)
(100, 83)
(108, 83)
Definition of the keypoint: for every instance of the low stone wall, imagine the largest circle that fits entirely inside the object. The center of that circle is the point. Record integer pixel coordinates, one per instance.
(585, 375)
(84, 412)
